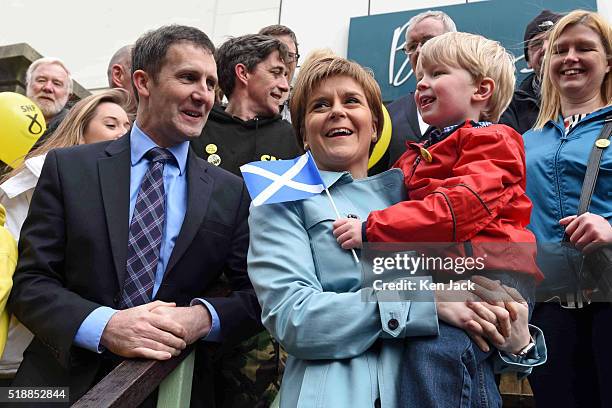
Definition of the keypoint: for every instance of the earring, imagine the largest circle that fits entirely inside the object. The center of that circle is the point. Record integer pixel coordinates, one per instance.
(374, 138)
(306, 147)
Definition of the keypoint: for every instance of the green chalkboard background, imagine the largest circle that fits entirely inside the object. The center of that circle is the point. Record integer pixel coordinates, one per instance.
(371, 38)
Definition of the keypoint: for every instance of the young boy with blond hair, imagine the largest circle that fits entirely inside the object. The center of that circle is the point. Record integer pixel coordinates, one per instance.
(466, 183)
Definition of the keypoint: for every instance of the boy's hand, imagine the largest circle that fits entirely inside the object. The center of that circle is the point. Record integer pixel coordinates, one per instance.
(348, 233)
(587, 231)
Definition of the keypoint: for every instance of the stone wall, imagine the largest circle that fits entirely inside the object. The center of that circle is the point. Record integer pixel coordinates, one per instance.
(14, 62)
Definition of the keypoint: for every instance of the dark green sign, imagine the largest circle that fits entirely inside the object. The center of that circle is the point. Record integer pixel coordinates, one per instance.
(377, 41)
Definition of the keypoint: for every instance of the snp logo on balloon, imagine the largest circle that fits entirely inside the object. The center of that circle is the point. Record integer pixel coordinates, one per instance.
(21, 124)
(35, 127)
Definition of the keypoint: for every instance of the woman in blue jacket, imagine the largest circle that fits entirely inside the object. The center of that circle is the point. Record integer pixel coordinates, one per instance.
(345, 343)
(576, 99)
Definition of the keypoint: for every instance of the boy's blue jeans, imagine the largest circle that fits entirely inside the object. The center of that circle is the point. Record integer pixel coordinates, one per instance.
(447, 371)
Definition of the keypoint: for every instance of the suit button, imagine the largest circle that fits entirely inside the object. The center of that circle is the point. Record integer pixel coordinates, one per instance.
(116, 299)
(393, 324)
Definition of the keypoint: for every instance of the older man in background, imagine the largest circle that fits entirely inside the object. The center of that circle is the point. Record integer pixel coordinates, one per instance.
(119, 75)
(49, 85)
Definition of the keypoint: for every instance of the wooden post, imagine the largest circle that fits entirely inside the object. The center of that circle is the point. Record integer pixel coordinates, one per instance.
(175, 390)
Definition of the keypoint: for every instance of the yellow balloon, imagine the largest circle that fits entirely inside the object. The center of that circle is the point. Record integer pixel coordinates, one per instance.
(385, 138)
(21, 125)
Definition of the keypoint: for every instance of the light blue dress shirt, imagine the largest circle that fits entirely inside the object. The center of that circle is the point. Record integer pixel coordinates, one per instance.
(175, 187)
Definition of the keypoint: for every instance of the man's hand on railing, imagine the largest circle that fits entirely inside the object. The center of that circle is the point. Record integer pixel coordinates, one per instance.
(195, 320)
(139, 332)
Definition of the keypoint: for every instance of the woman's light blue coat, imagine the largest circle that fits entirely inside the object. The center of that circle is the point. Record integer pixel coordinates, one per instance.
(313, 303)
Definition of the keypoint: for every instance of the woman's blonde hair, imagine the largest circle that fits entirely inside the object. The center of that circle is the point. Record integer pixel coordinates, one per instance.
(481, 58)
(70, 131)
(550, 108)
(321, 65)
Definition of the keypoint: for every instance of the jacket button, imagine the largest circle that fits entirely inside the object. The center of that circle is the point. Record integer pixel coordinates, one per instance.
(393, 324)
(116, 299)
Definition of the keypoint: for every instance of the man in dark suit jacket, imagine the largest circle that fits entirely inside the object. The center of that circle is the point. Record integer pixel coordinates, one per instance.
(406, 127)
(71, 278)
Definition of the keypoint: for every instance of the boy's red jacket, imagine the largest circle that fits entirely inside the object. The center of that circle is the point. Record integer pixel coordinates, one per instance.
(472, 190)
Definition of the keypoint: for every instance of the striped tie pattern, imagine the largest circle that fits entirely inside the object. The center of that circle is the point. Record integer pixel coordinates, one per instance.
(146, 230)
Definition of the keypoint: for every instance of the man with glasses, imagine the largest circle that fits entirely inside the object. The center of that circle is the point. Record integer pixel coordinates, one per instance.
(287, 36)
(408, 126)
(525, 106)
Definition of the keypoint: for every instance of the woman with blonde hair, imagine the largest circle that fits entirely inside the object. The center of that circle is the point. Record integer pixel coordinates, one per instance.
(96, 118)
(576, 103)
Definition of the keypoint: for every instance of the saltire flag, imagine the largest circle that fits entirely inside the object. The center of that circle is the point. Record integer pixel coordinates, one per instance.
(278, 181)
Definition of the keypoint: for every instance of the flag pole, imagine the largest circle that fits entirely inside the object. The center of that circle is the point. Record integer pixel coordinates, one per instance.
(331, 200)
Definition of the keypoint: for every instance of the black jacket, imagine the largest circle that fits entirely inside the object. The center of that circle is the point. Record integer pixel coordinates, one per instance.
(68, 267)
(229, 142)
(523, 111)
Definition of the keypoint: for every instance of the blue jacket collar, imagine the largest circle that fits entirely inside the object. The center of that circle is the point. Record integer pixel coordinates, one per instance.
(606, 110)
(332, 177)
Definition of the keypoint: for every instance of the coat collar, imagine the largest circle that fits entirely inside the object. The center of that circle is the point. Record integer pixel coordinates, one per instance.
(331, 178)
(114, 174)
(597, 115)
(335, 177)
(199, 190)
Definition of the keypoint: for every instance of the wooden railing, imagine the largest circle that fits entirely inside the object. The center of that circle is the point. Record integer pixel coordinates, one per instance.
(515, 393)
(131, 382)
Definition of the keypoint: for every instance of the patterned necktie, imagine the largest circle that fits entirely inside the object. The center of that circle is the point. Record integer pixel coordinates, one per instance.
(146, 231)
